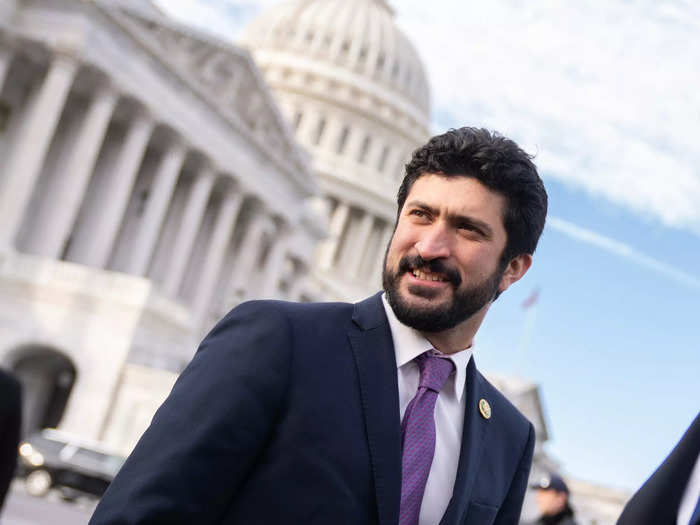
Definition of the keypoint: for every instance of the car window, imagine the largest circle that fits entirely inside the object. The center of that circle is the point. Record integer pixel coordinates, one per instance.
(93, 460)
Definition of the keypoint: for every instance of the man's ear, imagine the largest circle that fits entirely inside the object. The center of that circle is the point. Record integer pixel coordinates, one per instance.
(517, 267)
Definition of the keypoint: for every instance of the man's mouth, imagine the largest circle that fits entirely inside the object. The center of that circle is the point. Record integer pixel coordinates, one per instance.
(435, 270)
(428, 276)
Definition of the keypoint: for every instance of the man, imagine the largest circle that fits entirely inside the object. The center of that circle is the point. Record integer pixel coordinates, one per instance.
(10, 423)
(553, 501)
(671, 496)
(372, 413)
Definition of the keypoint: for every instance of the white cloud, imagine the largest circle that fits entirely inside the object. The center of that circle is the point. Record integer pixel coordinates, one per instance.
(623, 250)
(605, 92)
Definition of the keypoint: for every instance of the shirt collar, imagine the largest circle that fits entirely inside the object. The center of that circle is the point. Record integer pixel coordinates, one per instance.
(409, 344)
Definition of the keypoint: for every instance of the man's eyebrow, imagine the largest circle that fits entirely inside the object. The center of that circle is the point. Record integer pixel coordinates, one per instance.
(422, 205)
(454, 218)
(480, 225)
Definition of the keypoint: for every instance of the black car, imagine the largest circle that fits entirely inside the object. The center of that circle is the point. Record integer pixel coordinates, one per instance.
(53, 459)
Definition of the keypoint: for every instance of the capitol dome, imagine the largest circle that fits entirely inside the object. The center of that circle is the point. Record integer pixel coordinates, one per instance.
(356, 94)
(357, 36)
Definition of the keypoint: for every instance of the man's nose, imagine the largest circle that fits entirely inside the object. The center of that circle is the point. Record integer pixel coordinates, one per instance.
(434, 244)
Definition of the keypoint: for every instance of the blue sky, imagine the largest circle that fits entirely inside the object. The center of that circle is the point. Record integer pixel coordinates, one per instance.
(606, 95)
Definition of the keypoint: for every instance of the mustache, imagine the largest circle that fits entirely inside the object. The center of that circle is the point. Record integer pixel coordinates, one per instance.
(413, 262)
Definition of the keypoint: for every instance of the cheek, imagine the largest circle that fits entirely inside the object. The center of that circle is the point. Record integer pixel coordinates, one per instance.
(397, 247)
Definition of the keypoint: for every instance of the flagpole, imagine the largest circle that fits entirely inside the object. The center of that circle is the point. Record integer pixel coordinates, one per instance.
(530, 307)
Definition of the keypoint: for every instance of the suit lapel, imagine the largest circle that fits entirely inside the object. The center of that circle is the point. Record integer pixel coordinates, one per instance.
(473, 439)
(376, 367)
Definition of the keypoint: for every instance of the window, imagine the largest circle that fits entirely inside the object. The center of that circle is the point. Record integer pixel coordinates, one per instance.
(383, 158)
(298, 117)
(380, 62)
(319, 131)
(363, 55)
(342, 140)
(362, 157)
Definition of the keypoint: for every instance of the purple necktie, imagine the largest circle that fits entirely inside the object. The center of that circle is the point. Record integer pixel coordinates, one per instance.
(418, 434)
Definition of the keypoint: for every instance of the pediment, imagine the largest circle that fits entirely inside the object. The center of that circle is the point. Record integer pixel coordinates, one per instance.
(224, 73)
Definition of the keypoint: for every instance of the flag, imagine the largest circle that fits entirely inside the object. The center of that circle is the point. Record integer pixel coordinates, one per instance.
(531, 299)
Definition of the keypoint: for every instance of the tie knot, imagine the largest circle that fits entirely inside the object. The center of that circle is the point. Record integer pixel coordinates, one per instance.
(434, 370)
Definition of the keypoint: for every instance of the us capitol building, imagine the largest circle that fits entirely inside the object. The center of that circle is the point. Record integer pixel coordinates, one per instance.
(153, 177)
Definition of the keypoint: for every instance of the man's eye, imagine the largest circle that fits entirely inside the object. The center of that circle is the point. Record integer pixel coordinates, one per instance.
(470, 228)
(418, 213)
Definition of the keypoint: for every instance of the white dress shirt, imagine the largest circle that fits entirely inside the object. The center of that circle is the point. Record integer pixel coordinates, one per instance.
(449, 413)
(691, 494)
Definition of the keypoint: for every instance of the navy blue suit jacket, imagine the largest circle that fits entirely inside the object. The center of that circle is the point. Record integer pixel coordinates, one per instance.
(289, 413)
(658, 500)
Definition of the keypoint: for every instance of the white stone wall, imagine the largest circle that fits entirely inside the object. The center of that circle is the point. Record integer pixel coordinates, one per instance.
(88, 316)
(148, 184)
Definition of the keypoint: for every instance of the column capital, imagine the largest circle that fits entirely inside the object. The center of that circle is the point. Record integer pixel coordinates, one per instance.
(138, 111)
(206, 170)
(282, 227)
(64, 54)
(105, 86)
(228, 185)
(269, 224)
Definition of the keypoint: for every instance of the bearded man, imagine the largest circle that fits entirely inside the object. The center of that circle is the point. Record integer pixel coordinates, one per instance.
(372, 413)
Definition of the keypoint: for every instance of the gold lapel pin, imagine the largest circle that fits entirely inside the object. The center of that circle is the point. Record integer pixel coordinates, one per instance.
(485, 409)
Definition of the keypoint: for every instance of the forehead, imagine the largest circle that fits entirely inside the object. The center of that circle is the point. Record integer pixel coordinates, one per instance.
(460, 195)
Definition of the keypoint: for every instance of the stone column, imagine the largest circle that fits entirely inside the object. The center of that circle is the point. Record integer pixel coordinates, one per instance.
(216, 251)
(249, 251)
(309, 122)
(95, 249)
(274, 266)
(23, 164)
(6, 54)
(329, 141)
(68, 189)
(359, 244)
(357, 137)
(378, 267)
(335, 230)
(189, 226)
(159, 196)
(296, 288)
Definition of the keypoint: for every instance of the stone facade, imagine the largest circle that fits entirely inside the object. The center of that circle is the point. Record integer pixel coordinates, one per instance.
(148, 184)
(355, 91)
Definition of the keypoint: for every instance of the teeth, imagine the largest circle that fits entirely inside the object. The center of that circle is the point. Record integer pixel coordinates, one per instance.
(426, 276)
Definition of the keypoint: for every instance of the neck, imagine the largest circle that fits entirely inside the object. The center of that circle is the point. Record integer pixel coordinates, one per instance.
(458, 337)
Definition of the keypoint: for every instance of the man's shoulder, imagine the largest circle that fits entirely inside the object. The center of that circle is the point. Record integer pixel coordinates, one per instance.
(314, 310)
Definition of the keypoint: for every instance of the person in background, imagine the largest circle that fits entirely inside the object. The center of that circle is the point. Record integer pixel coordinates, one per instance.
(553, 501)
(10, 423)
(671, 496)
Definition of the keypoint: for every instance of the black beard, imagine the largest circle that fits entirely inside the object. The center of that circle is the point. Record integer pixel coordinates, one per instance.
(465, 303)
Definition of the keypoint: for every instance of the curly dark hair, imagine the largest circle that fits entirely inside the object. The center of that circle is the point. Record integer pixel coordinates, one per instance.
(500, 165)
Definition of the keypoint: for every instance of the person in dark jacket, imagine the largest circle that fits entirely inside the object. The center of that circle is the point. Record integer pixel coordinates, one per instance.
(10, 422)
(553, 501)
(671, 496)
